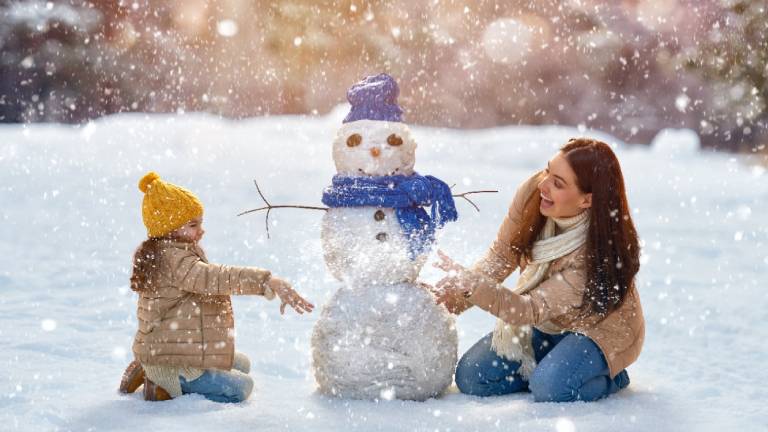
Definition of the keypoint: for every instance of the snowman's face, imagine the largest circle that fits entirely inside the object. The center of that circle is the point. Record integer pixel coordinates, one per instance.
(374, 148)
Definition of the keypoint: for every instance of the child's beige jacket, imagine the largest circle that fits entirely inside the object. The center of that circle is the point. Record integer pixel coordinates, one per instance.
(186, 318)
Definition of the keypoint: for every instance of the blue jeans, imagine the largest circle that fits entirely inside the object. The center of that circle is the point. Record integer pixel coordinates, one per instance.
(223, 386)
(570, 367)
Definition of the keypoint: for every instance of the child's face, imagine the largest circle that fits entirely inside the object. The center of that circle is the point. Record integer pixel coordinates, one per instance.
(192, 231)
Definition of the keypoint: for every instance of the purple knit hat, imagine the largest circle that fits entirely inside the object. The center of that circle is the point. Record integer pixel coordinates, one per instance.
(374, 98)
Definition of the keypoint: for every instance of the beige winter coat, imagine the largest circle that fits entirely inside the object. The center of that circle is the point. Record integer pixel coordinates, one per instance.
(186, 319)
(558, 298)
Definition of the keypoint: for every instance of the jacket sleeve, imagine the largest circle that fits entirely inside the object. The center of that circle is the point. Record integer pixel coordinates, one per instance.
(500, 260)
(555, 296)
(192, 274)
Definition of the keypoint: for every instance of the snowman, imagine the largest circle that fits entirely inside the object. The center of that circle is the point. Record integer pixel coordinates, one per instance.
(381, 335)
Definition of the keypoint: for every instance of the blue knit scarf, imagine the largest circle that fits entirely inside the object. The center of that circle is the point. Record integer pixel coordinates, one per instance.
(407, 195)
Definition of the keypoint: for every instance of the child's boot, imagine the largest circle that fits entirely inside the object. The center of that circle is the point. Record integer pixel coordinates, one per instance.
(153, 392)
(133, 377)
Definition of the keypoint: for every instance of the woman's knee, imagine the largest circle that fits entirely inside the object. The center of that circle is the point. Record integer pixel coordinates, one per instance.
(473, 379)
(557, 387)
(488, 379)
(548, 388)
(563, 374)
(467, 375)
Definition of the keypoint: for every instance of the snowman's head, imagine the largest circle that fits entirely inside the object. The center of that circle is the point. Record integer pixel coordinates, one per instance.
(374, 148)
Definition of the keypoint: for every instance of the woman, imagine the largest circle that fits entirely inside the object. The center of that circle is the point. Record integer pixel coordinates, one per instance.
(573, 323)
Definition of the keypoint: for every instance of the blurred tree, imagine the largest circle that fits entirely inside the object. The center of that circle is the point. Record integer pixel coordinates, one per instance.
(323, 45)
(733, 58)
(629, 68)
(44, 48)
(75, 60)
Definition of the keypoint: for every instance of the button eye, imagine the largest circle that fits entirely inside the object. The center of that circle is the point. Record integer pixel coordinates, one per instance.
(394, 140)
(354, 140)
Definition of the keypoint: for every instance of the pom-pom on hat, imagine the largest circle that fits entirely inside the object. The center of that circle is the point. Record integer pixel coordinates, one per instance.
(374, 98)
(166, 207)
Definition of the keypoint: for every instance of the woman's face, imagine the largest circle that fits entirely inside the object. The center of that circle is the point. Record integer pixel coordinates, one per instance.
(560, 196)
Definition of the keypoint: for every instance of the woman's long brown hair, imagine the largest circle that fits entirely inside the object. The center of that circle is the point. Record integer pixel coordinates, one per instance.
(613, 248)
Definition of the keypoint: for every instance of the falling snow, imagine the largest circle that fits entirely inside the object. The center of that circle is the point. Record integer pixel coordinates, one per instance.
(666, 80)
(66, 309)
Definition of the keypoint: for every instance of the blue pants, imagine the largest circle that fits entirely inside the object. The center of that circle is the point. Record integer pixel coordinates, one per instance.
(223, 386)
(570, 367)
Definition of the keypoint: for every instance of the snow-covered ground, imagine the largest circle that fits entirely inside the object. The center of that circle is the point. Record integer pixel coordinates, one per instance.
(71, 218)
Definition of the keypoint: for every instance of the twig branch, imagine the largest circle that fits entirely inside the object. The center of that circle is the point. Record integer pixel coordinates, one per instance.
(464, 196)
(269, 207)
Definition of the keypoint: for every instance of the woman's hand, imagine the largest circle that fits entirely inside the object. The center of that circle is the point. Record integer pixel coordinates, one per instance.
(288, 296)
(449, 290)
(447, 264)
(445, 292)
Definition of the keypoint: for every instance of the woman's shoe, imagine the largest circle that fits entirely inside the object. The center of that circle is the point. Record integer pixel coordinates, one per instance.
(153, 392)
(133, 378)
(622, 379)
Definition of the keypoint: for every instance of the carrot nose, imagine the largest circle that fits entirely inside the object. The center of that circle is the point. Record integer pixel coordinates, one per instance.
(375, 152)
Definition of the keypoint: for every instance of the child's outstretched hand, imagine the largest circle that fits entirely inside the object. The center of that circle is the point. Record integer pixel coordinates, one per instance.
(288, 296)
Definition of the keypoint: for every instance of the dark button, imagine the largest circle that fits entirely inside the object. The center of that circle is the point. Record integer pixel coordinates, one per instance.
(379, 215)
(382, 236)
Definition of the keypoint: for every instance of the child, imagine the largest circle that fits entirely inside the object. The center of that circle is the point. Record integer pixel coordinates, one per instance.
(185, 340)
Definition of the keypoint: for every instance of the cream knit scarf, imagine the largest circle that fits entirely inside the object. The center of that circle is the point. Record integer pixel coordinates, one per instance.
(515, 342)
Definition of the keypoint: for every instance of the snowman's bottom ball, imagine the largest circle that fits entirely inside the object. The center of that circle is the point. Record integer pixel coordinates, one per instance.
(384, 342)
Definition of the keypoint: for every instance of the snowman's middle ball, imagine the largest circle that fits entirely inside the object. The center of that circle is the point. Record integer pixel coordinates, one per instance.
(365, 245)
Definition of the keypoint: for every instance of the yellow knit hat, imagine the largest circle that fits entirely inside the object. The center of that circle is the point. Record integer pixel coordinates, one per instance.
(166, 207)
